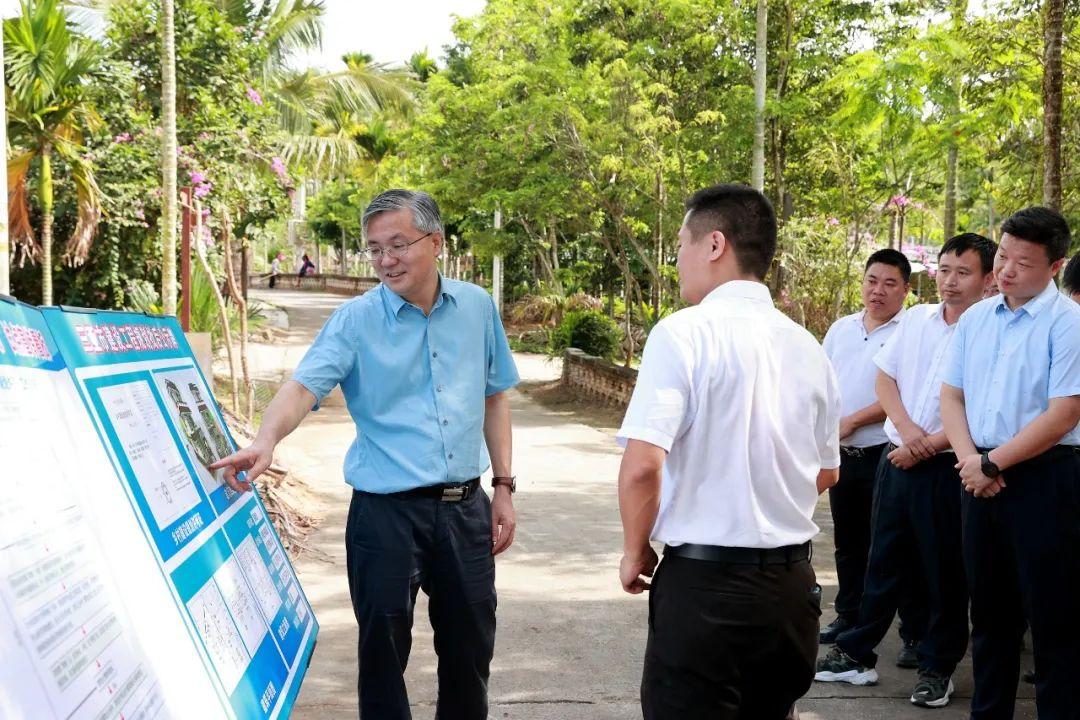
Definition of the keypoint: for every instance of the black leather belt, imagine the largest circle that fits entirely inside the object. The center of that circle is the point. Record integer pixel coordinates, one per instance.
(451, 492)
(741, 556)
(859, 452)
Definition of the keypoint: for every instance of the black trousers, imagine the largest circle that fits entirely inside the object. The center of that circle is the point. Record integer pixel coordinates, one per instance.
(1022, 554)
(851, 503)
(916, 518)
(729, 641)
(396, 545)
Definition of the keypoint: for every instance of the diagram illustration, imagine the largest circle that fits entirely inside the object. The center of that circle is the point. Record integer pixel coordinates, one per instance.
(195, 435)
(221, 445)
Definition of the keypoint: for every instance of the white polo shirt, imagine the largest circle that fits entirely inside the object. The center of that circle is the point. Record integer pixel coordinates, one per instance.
(745, 403)
(851, 351)
(912, 357)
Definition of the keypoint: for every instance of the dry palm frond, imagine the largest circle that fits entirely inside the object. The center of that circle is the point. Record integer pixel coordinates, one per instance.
(20, 230)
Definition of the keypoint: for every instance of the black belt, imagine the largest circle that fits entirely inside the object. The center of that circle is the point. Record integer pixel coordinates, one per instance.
(450, 492)
(862, 451)
(741, 556)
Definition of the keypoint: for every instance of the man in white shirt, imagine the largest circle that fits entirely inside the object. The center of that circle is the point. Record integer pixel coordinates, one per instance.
(851, 344)
(917, 500)
(730, 436)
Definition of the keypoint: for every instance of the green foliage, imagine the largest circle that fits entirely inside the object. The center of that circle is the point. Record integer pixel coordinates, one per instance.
(588, 330)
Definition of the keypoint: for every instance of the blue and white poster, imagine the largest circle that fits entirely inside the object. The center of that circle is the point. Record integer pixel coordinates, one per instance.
(237, 623)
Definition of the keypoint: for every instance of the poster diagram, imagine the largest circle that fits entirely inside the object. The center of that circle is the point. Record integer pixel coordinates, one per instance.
(200, 430)
(154, 458)
(219, 634)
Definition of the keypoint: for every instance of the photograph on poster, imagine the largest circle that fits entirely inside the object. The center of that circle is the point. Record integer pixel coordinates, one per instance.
(154, 458)
(200, 431)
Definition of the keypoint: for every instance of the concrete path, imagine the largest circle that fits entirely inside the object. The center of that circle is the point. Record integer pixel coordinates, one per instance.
(570, 642)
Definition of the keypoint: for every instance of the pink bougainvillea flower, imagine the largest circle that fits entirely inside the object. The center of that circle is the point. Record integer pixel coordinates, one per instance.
(254, 96)
(122, 138)
(833, 222)
(196, 177)
(203, 190)
(277, 166)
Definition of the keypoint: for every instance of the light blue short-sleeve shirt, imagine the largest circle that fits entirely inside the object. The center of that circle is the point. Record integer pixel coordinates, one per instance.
(1011, 363)
(414, 385)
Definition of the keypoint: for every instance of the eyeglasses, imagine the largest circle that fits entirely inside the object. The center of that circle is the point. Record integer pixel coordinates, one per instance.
(397, 250)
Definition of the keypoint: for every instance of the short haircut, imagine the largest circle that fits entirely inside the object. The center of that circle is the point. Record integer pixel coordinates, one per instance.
(1042, 226)
(1070, 279)
(888, 256)
(424, 209)
(960, 244)
(746, 218)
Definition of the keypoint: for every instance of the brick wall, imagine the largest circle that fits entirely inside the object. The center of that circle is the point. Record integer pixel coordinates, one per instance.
(598, 379)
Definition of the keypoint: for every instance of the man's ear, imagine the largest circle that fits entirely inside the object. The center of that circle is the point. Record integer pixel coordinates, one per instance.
(719, 245)
(437, 241)
(1055, 267)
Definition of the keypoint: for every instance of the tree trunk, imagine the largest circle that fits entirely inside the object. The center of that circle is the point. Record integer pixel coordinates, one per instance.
(223, 314)
(241, 309)
(168, 159)
(1053, 27)
(45, 196)
(757, 168)
(948, 222)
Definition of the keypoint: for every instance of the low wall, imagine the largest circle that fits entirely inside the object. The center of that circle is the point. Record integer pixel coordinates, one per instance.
(337, 284)
(598, 379)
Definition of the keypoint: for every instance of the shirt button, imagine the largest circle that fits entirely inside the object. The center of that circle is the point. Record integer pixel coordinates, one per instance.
(435, 354)
(438, 388)
(445, 422)
(451, 456)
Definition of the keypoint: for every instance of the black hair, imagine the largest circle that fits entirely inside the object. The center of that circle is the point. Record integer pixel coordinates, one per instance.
(746, 218)
(1070, 279)
(1042, 226)
(888, 256)
(960, 244)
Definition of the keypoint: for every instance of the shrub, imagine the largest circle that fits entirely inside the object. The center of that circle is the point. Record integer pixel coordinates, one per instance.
(589, 330)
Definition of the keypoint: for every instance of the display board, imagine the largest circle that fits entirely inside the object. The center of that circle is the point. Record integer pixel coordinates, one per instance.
(170, 594)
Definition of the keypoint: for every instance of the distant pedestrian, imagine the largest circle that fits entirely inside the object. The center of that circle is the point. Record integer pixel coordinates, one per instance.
(275, 269)
(306, 266)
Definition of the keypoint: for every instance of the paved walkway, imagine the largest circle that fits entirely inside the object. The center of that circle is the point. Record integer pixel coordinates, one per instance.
(570, 641)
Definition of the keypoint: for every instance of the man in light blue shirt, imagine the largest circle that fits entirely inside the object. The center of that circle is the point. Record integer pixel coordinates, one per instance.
(423, 364)
(1010, 404)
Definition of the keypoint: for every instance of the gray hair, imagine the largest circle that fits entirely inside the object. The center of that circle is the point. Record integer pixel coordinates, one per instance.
(425, 212)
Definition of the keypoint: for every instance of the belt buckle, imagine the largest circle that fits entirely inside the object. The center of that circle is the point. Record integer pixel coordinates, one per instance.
(454, 494)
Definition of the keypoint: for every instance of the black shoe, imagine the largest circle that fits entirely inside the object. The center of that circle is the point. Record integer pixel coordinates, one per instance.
(932, 690)
(908, 657)
(838, 666)
(1029, 677)
(830, 631)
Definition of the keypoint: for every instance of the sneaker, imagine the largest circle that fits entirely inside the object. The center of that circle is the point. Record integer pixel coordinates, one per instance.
(829, 633)
(932, 690)
(838, 666)
(908, 657)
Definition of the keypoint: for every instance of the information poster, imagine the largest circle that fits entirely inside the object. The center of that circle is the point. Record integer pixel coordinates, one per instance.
(241, 629)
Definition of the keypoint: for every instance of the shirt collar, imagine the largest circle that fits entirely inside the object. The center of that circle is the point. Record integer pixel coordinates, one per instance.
(1033, 306)
(745, 289)
(447, 289)
(861, 315)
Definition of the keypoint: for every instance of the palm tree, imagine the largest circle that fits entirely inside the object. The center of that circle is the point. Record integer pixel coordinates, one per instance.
(48, 66)
(168, 159)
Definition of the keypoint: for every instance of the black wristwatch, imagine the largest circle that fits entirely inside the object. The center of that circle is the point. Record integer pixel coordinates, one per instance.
(989, 468)
(509, 481)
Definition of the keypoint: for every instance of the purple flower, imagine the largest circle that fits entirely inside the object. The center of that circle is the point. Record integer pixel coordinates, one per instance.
(122, 138)
(277, 165)
(254, 96)
(196, 177)
(139, 214)
(203, 190)
(832, 222)
(899, 201)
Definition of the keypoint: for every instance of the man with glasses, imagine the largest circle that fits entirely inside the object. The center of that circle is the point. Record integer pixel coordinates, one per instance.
(424, 365)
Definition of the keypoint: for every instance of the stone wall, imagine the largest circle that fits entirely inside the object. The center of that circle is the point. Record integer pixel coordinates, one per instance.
(337, 284)
(598, 379)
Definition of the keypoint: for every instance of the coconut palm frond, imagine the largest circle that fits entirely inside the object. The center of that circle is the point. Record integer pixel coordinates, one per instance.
(322, 155)
(20, 230)
(294, 26)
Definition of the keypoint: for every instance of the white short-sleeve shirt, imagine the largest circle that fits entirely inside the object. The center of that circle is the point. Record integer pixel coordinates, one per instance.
(912, 357)
(851, 351)
(745, 402)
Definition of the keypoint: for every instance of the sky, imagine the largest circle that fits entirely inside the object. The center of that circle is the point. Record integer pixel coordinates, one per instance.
(391, 31)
